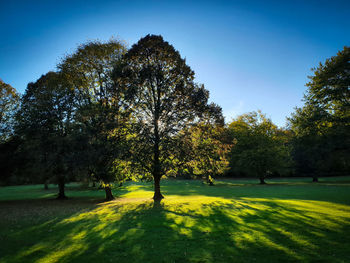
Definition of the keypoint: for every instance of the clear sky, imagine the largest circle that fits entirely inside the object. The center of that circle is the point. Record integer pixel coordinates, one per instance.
(249, 54)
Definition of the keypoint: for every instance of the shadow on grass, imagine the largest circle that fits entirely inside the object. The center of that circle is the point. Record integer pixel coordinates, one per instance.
(244, 230)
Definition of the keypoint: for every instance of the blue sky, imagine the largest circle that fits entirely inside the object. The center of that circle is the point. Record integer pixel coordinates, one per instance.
(249, 54)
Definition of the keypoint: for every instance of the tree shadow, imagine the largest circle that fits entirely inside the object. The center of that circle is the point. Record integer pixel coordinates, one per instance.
(220, 231)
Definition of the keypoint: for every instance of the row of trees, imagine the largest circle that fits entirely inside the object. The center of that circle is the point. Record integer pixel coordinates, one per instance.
(109, 114)
(108, 109)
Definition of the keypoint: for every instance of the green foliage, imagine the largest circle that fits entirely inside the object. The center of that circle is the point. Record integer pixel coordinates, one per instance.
(322, 127)
(204, 148)
(260, 148)
(89, 70)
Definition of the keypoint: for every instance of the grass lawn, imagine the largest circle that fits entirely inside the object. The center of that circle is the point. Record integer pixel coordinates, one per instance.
(288, 220)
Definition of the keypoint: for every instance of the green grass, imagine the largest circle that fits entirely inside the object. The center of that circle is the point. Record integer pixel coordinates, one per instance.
(288, 220)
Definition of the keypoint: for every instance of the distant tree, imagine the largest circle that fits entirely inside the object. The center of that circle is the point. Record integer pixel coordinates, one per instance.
(204, 150)
(45, 127)
(322, 127)
(160, 89)
(259, 146)
(101, 120)
(9, 102)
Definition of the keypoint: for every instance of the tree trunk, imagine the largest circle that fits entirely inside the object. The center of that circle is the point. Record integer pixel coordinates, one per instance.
(61, 194)
(109, 194)
(262, 180)
(209, 180)
(156, 162)
(157, 194)
(93, 184)
(315, 179)
(46, 185)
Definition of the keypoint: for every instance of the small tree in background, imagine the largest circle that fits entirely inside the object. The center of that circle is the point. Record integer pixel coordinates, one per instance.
(259, 149)
(204, 149)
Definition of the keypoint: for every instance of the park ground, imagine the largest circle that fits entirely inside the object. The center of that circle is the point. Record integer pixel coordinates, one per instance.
(287, 220)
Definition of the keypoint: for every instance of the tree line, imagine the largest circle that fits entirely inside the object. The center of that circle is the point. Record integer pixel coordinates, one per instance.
(111, 113)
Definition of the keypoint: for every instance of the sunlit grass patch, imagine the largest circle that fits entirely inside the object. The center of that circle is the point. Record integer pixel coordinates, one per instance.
(194, 223)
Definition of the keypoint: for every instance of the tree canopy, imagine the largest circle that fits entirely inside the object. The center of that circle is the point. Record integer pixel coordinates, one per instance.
(322, 127)
(259, 147)
(165, 99)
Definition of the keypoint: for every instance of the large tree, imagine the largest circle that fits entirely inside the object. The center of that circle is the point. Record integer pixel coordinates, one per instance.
(259, 147)
(161, 90)
(45, 127)
(322, 127)
(101, 120)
